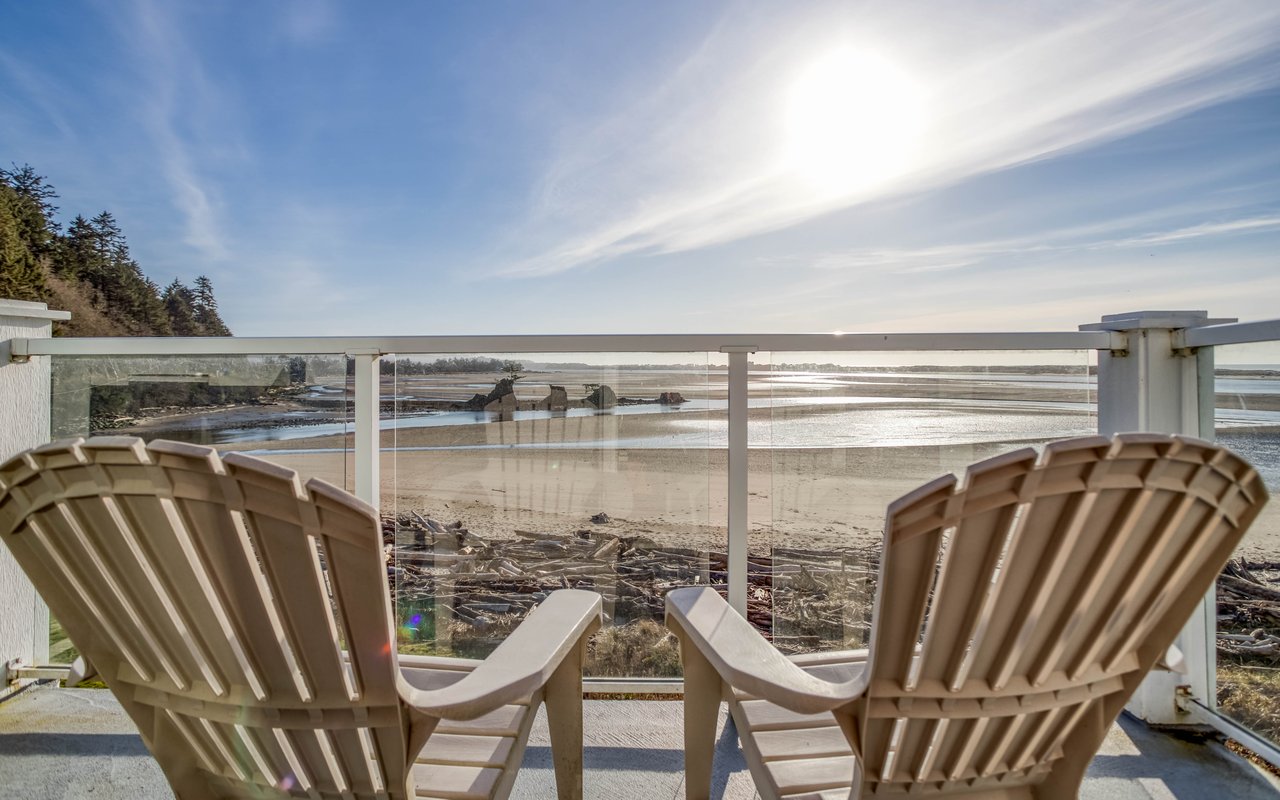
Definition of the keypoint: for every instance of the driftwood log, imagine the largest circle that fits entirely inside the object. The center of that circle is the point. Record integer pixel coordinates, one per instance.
(1248, 611)
(475, 590)
(463, 593)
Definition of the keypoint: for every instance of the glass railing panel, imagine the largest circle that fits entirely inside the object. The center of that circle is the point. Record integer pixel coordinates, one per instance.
(1247, 420)
(515, 475)
(836, 437)
(292, 410)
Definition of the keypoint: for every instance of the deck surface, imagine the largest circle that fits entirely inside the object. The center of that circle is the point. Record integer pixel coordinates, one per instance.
(74, 743)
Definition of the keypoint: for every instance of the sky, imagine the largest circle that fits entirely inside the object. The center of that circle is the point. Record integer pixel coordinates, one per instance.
(661, 167)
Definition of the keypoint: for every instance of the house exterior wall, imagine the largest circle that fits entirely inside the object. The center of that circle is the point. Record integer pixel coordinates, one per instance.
(24, 423)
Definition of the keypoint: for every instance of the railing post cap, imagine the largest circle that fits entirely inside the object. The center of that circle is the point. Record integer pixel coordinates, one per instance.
(25, 309)
(1136, 320)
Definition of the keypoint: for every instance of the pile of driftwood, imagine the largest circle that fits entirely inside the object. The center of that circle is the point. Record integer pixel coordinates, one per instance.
(1248, 610)
(476, 590)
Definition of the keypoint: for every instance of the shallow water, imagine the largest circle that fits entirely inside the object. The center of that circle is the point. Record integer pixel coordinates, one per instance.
(829, 419)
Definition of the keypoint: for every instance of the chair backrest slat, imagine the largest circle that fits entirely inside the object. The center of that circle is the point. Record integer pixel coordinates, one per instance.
(911, 584)
(979, 571)
(125, 581)
(1033, 597)
(175, 587)
(80, 582)
(270, 509)
(241, 618)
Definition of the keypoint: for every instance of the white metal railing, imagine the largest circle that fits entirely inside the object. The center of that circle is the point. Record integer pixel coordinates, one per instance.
(570, 343)
(366, 351)
(1155, 374)
(1233, 333)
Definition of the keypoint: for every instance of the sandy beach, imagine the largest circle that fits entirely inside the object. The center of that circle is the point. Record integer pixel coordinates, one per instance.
(807, 498)
(492, 478)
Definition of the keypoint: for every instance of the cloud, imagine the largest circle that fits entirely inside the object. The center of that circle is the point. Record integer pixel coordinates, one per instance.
(696, 162)
(38, 90)
(1076, 239)
(187, 119)
(1238, 226)
(307, 22)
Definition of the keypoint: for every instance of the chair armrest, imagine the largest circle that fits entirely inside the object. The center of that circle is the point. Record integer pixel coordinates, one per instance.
(1172, 661)
(521, 665)
(82, 669)
(745, 661)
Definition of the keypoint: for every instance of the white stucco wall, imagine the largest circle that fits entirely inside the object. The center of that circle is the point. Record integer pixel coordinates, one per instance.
(24, 423)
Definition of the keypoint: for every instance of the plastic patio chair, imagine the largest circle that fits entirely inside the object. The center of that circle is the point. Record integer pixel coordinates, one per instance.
(243, 621)
(1015, 615)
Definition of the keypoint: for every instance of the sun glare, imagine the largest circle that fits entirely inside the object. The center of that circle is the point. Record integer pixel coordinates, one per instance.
(853, 121)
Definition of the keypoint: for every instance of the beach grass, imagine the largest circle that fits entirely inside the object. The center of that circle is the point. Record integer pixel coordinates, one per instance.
(1249, 693)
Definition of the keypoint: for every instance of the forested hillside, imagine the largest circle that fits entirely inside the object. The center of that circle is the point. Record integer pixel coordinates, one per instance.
(87, 270)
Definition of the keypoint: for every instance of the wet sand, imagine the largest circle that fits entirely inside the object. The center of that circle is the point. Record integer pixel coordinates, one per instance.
(805, 498)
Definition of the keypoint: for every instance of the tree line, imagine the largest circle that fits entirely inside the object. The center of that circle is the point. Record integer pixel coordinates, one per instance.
(88, 270)
(405, 366)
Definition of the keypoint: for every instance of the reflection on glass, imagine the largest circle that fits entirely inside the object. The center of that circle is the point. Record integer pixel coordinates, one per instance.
(1247, 420)
(514, 476)
(837, 437)
(292, 410)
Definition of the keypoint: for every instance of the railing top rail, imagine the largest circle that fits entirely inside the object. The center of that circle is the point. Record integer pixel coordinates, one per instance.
(1267, 330)
(570, 343)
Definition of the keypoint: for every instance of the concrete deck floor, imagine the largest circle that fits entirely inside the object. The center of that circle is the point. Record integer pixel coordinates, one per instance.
(77, 743)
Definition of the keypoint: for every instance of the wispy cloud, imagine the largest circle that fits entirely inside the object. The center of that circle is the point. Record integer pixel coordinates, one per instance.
(1109, 235)
(695, 161)
(38, 90)
(309, 21)
(1233, 227)
(186, 118)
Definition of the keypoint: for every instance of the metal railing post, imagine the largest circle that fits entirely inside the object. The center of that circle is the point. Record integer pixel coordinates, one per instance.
(1158, 386)
(738, 465)
(368, 485)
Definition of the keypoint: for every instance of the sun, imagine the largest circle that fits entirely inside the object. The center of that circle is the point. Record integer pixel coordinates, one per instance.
(854, 121)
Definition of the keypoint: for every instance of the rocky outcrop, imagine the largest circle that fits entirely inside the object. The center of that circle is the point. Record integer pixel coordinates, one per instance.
(503, 389)
(557, 400)
(603, 397)
(502, 399)
(503, 405)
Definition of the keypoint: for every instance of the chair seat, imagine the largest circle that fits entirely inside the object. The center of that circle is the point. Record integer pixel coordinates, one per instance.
(799, 755)
(468, 759)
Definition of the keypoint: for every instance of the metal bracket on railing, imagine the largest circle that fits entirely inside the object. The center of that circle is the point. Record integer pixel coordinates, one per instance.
(1179, 341)
(18, 353)
(367, 351)
(1119, 344)
(1183, 697)
(739, 348)
(18, 672)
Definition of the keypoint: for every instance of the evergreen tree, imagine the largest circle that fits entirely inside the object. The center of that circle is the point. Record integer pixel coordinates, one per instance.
(34, 208)
(107, 236)
(179, 303)
(91, 268)
(77, 257)
(205, 306)
(154, 314)
(126, 295)
(20, 275)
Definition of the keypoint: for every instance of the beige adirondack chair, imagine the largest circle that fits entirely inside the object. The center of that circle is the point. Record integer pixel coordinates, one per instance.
(243, 622)
(1014, 617)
